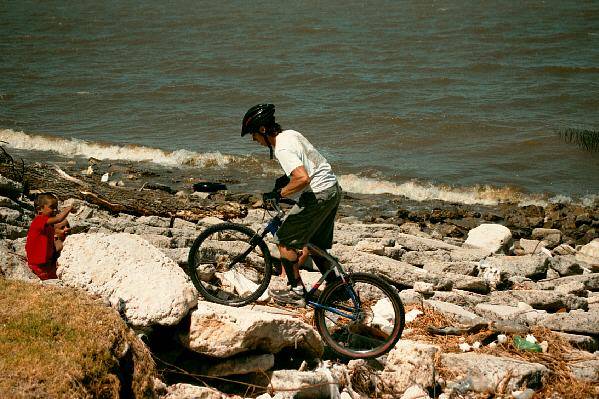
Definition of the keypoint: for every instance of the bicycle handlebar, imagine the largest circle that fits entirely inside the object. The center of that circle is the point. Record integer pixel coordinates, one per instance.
(274, 203)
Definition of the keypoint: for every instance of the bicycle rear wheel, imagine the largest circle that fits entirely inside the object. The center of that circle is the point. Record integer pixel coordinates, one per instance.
(370, 326)
(229, 264)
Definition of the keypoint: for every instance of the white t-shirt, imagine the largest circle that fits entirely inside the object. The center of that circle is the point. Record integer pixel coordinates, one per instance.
(292, 149)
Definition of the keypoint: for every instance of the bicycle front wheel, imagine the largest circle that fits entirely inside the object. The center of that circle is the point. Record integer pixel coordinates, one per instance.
(363, 327)
(229, 264)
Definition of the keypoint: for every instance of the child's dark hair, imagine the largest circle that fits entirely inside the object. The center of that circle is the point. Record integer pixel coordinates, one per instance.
(44, 199)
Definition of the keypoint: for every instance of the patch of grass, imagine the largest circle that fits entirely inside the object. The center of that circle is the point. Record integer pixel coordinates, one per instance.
(57, 342)
(587, 139)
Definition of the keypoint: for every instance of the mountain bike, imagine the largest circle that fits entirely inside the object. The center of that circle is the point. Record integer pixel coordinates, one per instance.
(359, 315)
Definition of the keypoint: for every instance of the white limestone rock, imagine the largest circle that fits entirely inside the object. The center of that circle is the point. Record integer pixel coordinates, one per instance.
(351, 234)
(452, 311)
(531, 266)
(155, 221)
(13, 266)
(576, 322)
(210, 221)
(224, 331)
(131, 274)
(373, 247)
(413, 243)
(487, 371)
(397, 271)
(492, 237)
(590, 282)
(158, 240)
(461, 298)
(530, 246)
(179, 255)
(589, 254)
(565, 265)
(423, 288)
(6, 202)
(320, 383)
(467, 268)
(415, 392)
(586, 370)
(421, 258)
(188, 391)
(238, 365)
(409, 363)
(550, 237)
(11, 232)
(8, 215)
(539, 299)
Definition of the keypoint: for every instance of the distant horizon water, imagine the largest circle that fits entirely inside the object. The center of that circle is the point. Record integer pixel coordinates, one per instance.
(444, 100)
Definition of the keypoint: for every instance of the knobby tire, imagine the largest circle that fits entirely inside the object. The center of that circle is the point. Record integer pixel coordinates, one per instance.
(368, 340)
(197, 256)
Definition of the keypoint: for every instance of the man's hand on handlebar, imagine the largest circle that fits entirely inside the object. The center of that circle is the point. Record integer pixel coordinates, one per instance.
(271, 196)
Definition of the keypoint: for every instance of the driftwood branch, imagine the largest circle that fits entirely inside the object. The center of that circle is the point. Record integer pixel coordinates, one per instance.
(43, 177)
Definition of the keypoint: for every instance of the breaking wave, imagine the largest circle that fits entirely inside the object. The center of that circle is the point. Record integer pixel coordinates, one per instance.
(483, 195)
(76, 147)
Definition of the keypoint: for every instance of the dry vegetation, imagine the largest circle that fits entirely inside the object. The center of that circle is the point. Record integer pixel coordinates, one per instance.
(56, 342)
(560, 382)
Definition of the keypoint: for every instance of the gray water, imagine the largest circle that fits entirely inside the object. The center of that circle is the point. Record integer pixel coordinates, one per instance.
(453, 96)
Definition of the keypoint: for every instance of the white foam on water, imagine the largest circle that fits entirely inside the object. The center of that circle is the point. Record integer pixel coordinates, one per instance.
(76, 147)
(484, 195)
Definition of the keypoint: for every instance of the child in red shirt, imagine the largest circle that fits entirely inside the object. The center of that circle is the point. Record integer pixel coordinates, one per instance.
(40, 237)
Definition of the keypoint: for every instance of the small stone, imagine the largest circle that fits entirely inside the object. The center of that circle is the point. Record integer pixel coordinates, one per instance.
(423, 288)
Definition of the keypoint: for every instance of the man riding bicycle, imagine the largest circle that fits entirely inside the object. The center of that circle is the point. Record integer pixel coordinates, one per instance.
(311, 182)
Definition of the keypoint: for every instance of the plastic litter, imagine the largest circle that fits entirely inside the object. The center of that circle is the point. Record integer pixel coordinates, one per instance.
(531, 339)
(465, 347)
(412, 314)
(523, 344)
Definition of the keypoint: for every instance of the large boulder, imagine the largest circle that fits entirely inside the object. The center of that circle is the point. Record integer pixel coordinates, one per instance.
(224, 331)
(492, 237)
(146, 286)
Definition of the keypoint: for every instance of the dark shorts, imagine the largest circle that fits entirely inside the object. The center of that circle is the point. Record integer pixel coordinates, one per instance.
(311, 220)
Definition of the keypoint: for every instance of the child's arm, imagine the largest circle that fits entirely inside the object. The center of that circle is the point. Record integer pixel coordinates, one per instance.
(61, 216)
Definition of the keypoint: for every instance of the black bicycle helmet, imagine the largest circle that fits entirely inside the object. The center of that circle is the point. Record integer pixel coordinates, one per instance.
(258, 115)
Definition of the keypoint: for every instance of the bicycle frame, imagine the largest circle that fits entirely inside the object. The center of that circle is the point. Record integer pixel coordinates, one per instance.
(273, 226)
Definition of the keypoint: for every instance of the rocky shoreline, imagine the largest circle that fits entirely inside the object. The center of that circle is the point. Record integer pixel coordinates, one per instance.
(471, 277)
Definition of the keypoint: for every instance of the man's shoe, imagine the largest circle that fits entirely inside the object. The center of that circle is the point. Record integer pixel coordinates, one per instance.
(289, 296)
